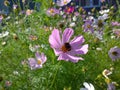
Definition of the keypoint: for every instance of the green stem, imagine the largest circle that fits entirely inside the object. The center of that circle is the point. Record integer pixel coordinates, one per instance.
(55, 74)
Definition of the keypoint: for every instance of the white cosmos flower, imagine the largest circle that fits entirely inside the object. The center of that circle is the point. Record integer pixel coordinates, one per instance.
(74, 18)
(98, 35)
(33, 48)
(105, 16)
(72, 24)
(88, 86)
(4, 34)
(104, 11)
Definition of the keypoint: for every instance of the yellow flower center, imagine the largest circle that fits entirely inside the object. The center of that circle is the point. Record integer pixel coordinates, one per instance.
(88, 26)
(100, 23)
(39, 62)
(51, 10)
(66, 47)
(65, 2)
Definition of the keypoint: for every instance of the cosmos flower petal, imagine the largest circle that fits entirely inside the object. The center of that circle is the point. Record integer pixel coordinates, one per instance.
(68, 57)
(77, 41)
(68, 32)
(38, 57)
(83, 89)
(87, 85)
(57, 52)
(82, 50)
(91, 87)
(43, 58)
(32, 62)
(54, 39)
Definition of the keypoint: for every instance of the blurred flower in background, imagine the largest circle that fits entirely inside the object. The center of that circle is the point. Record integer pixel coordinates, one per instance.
(52, 11)
(38, 61)
(88, 86)
(29, 12)
(114, 53)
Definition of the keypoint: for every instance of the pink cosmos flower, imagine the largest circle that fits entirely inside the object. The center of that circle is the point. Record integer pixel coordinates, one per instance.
(37, 62)
(52, 11)
(66, 49)
(63, 2)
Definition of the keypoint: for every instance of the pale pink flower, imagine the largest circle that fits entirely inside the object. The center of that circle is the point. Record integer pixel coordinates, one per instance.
(38, 61)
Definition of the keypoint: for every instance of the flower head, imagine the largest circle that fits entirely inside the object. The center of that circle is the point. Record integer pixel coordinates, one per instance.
(114, 53)
(111, 86)
(115, 23)
(29, 12)
(15, 6)
(4, 34)
(63, 2)
(116, 32)
(52, 11)
(37, 62)
(66, 49)
(106, 73)
(8, 83)
(88, 26)
(69, 10)
(88, 86)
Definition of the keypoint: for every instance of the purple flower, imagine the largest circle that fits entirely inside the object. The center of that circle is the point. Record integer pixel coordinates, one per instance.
(66, 49)
(52, 11)
(37, 62)
(115, 23)
(88, 26)
(117, 32)
(114, 53)
(111, 86)
(15, 7)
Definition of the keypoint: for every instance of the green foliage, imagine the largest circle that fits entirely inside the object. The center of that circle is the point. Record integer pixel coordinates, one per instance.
(55, 75)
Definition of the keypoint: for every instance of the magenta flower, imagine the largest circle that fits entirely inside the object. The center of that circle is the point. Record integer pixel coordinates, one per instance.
(69, 10)
(37, 62)
(63, 2)
(52, 11)
(66, 49)
(114, 53)
(88, 26)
